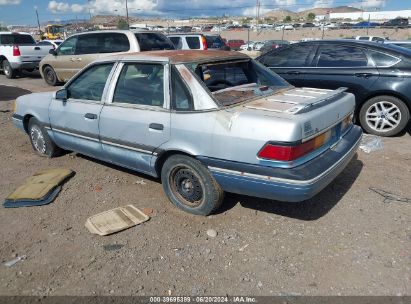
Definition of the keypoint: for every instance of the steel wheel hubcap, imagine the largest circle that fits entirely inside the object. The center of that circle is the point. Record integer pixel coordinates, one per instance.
(186, 186)
(50, 75)
(37, 139)
(383, 116)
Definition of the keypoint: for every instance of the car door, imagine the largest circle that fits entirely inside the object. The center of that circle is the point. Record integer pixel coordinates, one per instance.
(61, 62)
(339, 65)
(290, 62)
(75, 121)
(136, 119)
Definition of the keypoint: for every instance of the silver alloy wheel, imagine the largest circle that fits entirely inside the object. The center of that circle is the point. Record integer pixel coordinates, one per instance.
(7, 69)
(37, 139)
(383, 116)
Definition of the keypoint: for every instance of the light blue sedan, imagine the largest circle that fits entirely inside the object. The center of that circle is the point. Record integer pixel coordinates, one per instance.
(204, 122)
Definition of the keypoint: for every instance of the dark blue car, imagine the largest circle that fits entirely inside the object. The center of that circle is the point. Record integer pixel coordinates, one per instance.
(379, 75)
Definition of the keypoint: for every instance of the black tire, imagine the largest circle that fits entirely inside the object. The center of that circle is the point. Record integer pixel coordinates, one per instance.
(29, 70)
(384, 115)
(190, 186)
(50, 76)
(40, 140)
(8, 71)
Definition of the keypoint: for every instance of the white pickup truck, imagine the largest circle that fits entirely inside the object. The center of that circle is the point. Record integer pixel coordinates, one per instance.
(19, 51)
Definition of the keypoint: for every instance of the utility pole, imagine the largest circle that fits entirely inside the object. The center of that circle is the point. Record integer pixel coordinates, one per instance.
(38, 21)
(128, 24)
(89, 9)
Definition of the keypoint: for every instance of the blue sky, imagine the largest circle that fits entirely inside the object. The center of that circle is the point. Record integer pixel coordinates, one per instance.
(23, 11)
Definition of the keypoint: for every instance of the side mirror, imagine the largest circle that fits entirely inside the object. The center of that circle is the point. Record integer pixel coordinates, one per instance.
(53, 52)
(62, 94)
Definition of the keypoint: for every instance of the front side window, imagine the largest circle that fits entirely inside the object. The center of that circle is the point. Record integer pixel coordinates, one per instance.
(288, 57)
(90, 84)
(140, 84)
(341, 56)
(68, 47)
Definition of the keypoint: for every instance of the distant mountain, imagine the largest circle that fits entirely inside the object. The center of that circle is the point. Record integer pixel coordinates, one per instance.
(280, 14)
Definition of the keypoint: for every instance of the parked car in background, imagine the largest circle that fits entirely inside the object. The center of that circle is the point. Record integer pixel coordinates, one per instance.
(370, 38)
(273, 44)
(235, 44)
(402, 43)
(308, 24)
(53, 43)
(81, 49)
(197, 41)
(379, 76)
(248, 46)
(397, 22)
(258, 45)
(365, 24)
(166, 116)
(18, 52)
(284, 27)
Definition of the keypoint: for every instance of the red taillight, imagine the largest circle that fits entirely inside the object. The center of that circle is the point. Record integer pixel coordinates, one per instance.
(289, 153)
(16, 50)
(204, 41)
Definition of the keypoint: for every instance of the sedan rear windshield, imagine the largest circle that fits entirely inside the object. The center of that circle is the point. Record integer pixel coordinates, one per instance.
(16, 39)
(153, 42)
(236, 81)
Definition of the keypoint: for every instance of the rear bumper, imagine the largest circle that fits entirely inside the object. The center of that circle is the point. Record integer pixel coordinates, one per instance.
(290, 185)
(25, 65)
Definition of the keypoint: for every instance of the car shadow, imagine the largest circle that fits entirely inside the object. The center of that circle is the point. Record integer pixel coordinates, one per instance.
(26, 74)
(115, 167)
(308, 210)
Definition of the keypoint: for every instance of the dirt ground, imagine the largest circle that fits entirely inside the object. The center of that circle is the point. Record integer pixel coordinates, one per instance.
(344, 241)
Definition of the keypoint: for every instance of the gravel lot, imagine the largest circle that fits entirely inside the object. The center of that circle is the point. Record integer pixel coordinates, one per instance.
(344, 241)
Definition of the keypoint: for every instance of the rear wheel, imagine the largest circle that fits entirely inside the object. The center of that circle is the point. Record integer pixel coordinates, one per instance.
(40, 140)
(384, 116)
(190, 186)
(8, 71)
(50, 76)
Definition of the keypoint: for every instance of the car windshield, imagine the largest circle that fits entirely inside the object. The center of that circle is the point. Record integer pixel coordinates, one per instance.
(153, 42)
(237, 81)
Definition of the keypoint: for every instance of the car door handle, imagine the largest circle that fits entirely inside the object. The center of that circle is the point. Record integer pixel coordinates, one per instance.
(156, 126)
(293, 72)
(90, 116)
(37, 48)
(363, 75)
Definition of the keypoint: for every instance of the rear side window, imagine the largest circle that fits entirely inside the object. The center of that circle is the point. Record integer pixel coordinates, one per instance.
(193, 42)
(383, 60)
(341, 56)
(102, 43)
(140, 84)
(177, 42)
(214, 41)
(153, 42)
(181, 99)
(289, 57)
(363, 38)
(16, 39)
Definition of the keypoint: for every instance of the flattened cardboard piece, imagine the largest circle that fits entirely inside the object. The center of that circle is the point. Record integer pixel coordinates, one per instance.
(115, 220)
(39, 189)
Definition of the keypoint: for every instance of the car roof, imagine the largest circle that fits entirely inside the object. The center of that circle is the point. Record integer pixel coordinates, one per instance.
(398, 41)
(375, 45)
(134, 31)
(178, 56)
